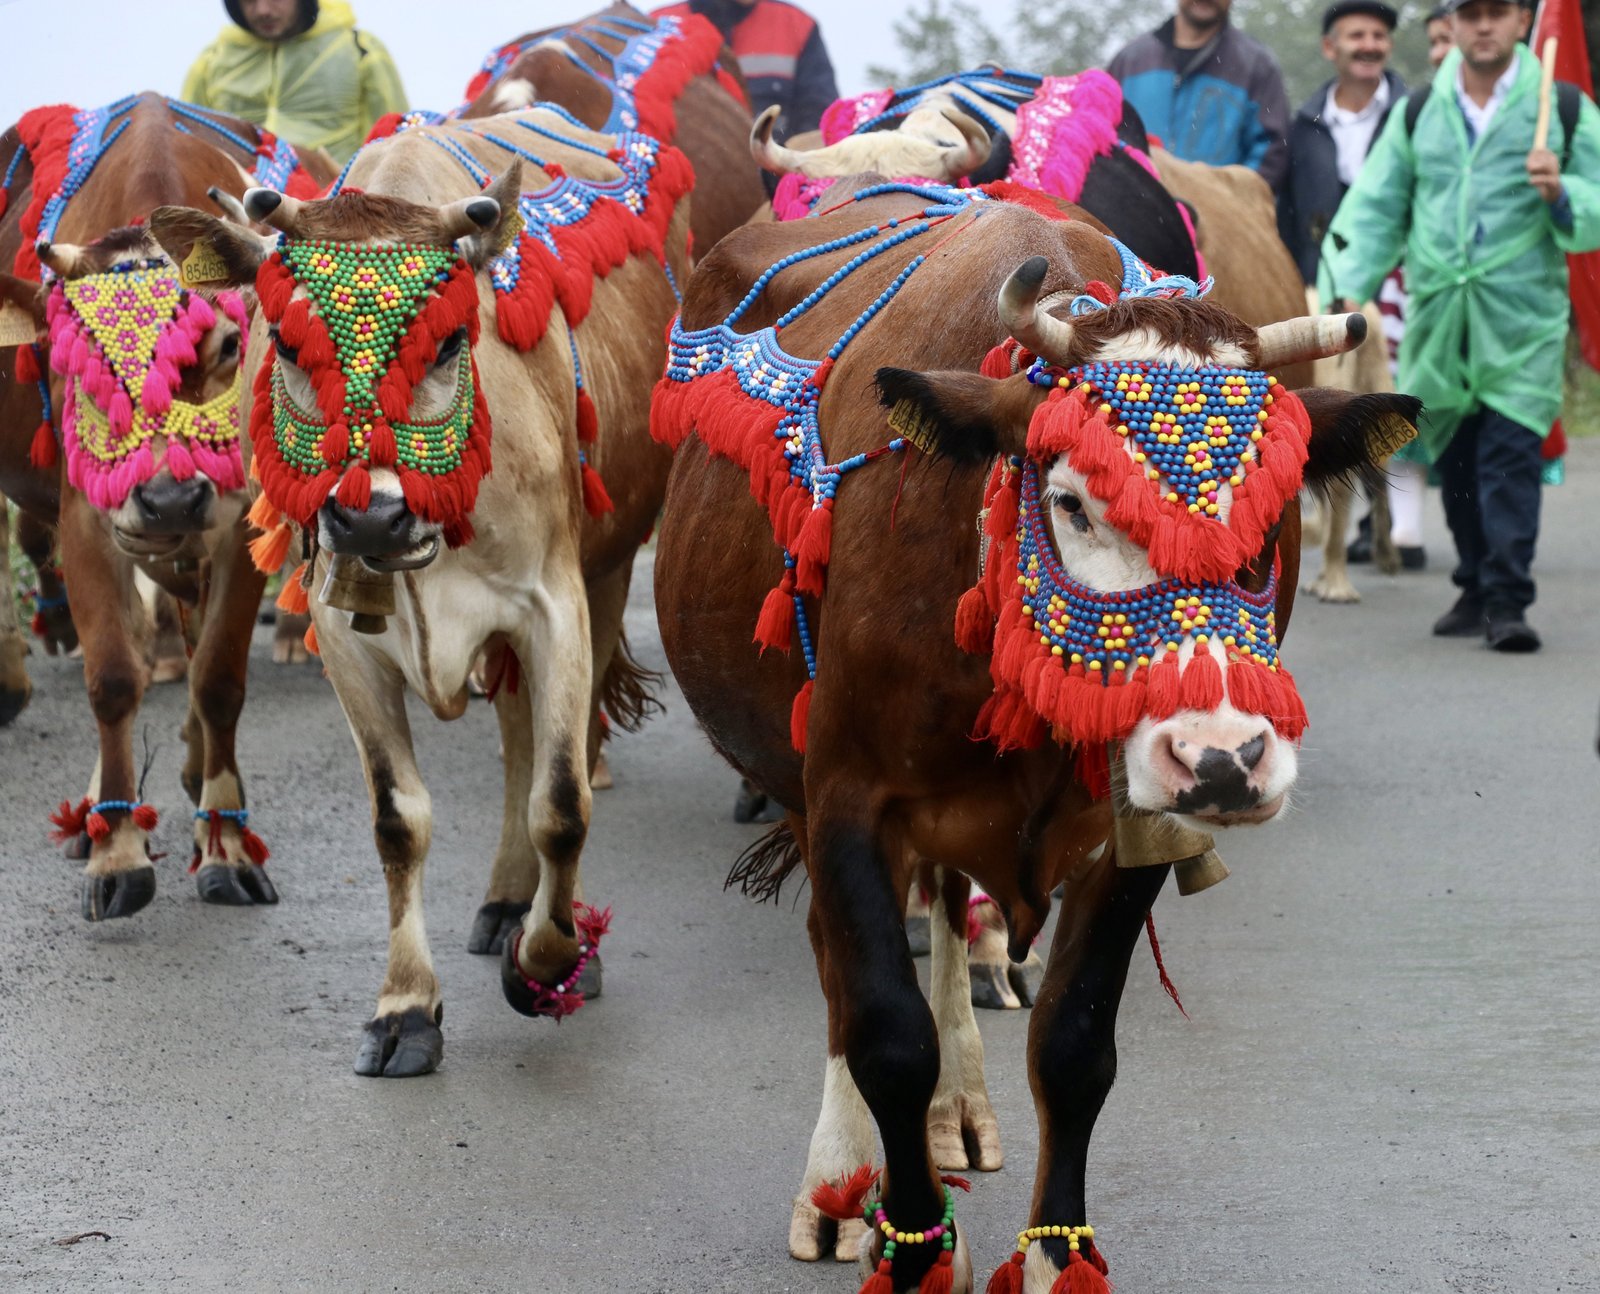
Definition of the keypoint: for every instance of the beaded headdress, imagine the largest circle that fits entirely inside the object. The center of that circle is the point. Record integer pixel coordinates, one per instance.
(121, 340)
(365, 331)
(1195, 465)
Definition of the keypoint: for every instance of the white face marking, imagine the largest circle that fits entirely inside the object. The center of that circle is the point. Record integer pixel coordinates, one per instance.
(1092, 551)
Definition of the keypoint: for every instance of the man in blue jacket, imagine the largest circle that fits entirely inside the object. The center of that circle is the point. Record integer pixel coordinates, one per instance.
(1208, 91)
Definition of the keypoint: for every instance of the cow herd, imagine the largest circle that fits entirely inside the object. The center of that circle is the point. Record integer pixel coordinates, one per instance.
(979, 564)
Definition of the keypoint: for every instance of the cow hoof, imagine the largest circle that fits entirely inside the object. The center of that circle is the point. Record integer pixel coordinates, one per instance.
(493, 924)
(991, 987)
(118, 894)
(169, 669)
(750, 802)
(964, 1134)
(960, 1262)
(1026, 978)
(1335, 588)
(232, 886)
(525, 1000)
(917, 936)
(812, 1233)
(14, 700)
(402, 1045)
(77, 849)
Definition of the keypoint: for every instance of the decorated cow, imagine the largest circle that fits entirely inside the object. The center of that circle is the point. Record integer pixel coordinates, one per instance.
(1003, 594)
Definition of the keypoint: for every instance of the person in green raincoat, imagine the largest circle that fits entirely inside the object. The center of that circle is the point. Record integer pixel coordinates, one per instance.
(301, 70)
(1482, 221)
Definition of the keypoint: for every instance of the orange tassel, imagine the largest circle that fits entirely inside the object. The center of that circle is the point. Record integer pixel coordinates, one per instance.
(262, 515)
(292, 598)
(268, 551)
(311, 641)
(596, 500)
(974, 622)
(800, 716)
(1007, 1278)
(775, 624)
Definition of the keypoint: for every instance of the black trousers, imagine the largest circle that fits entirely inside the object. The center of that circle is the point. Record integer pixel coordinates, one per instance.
(1491, 473)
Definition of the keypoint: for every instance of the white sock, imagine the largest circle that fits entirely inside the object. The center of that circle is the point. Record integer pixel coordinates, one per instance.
(1408, 483)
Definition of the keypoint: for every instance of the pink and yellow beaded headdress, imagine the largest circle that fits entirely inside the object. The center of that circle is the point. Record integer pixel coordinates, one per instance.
(122, 339)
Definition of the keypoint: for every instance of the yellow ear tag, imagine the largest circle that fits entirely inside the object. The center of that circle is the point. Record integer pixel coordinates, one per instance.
(17, 327)
(202, 265)
(910, 420)
(1388, 434)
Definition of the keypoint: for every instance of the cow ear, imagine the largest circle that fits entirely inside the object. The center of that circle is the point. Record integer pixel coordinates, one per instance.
(963, 416)
(1353, 435)
(210, 252)
(21, 310)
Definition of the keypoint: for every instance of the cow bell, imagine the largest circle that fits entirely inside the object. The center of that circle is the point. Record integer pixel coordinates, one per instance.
(368, 595)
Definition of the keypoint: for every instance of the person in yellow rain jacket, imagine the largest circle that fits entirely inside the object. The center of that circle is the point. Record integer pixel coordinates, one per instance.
(301, 70)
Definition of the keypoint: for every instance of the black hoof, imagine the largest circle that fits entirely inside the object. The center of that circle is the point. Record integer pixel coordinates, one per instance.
(1026, 979)
(494, 923)
(750, 802)
(77, 849)
(918, 937)
(12, 704)
(238, 887)
(120, 894)
(990, 987)
(524, 1001)
(401, 1046)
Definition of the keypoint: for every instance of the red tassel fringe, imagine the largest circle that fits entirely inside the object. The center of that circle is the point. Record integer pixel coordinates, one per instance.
(844, 1199)
(1080, 1276)
(940, 1278)
(800, 715)
(1161, 966)
(1007, 1278)
(596, 499)
(69, 820)
(775, 624)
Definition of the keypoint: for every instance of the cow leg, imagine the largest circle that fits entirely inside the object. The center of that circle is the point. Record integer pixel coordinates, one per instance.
(515, 874)
(1333, 584)
(118, 879)
(918, 902)
(539, 966)
(962, 1130)
(1072, 1050)
(402, 1039)
(890, 1043)
(997, 983)
(842, 1140)
(15, 688)
(229, 858)
(38, 542)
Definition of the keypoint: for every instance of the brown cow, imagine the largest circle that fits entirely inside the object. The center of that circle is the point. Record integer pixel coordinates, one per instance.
(76, 177)
(706, 116)
(890, 773)
(423, 557)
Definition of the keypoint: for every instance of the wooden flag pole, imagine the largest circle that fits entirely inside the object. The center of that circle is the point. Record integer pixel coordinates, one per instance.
(1547, 80)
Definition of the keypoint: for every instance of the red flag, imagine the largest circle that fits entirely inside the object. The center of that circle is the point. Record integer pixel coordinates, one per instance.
(1563, 19)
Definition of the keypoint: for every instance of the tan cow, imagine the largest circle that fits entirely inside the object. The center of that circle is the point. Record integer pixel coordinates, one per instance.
(416, 569)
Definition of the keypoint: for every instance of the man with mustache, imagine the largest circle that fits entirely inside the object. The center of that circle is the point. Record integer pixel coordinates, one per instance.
(1483, 221)
(1208, 91)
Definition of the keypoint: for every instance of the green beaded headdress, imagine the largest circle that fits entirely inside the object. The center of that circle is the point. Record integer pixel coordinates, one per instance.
(365, 331)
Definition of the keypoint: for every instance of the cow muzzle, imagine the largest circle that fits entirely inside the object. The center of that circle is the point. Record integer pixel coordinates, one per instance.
(1220, 770)
(163, 515)
(386, 534)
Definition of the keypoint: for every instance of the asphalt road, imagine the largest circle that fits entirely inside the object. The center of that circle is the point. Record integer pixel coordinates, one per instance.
(1391, 1080)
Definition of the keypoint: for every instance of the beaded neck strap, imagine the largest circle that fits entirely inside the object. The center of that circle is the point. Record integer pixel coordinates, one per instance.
(121, 340)
(364, 332)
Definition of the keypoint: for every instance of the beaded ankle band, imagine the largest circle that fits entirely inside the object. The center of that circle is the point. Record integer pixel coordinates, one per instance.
(71, 821)
(561, 1000)
(254, 847)
(1085, 1272)
(939, 1279)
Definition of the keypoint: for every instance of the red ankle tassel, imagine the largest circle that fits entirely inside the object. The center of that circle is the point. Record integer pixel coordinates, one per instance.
(940, 1278)
(775, 624)
(844, 1199)
(255, 848)
(42, 450)
(800, 716)
(145, 817)
(880, 1282)
(69, 819)
(596, 501)
(97, 826)
(1007, 1278)
(1080, 1277)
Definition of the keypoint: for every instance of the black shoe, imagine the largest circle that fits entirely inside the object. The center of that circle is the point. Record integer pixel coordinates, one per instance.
(1464, 620)
(1509, 632)
(1413, 559)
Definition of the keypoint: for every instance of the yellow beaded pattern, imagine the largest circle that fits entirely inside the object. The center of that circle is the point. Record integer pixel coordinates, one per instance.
(1072, 1235)
(214, 424)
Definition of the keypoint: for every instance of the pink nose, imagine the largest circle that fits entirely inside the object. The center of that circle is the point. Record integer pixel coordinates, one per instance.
(1212, 779)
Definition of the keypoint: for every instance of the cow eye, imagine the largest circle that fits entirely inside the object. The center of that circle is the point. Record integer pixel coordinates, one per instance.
(285, 350)
(1072, 505)
(451, 346)
(230, 347)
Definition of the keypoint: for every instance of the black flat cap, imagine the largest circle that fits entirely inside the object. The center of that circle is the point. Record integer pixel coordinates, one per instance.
(1371, 8)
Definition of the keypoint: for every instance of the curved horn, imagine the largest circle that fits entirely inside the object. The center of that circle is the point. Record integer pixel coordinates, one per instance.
(1309, 338)
(1041, 333)
(469, 216)
(231, 207)
(773, 157)
(272, 208)
(60, 258)
(974, 151)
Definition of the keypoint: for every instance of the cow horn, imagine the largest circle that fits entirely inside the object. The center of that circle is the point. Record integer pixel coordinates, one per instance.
(974, 152)
(1040, 332)
(1309, 338)
(469, 216)
(60, 258)
(774, 157)
(270, 207)
(231, 207)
